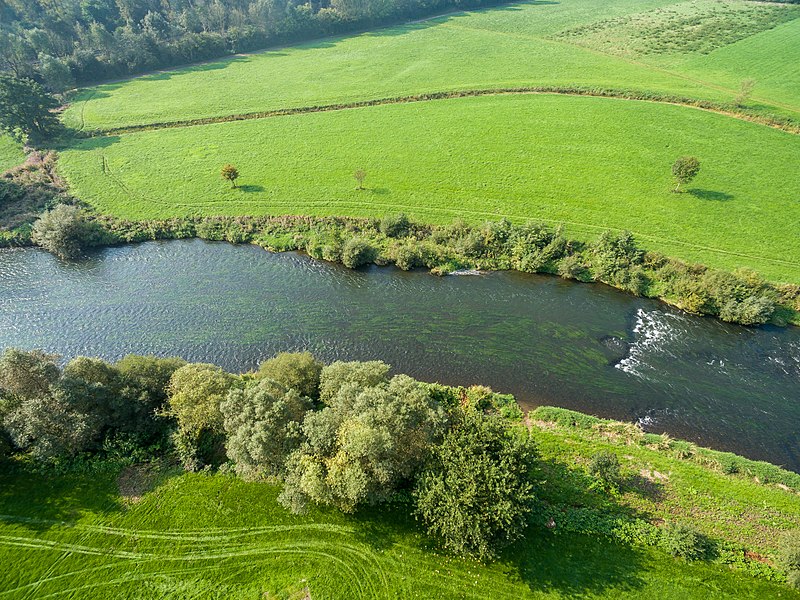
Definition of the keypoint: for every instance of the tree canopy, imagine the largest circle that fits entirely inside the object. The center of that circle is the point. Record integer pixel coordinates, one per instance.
(365, 444)
(477, 492)
(26, 109)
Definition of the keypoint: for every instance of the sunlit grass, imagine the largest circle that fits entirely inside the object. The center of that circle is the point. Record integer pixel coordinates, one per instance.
(214, 536)
(512, 45)
(588, 163)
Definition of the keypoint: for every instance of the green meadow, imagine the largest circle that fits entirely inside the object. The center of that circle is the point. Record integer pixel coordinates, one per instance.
(588, 163)
(567, 43)
(178, 535)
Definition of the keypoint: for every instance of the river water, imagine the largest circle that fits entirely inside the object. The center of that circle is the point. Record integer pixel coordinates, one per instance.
(548, 341)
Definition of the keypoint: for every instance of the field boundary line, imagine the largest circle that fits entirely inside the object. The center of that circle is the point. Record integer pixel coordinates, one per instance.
(619, 94)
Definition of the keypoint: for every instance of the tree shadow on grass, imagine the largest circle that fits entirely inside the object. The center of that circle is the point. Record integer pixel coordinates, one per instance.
(575, 565)
(711, 195)
(381, 526)
(645, 487)
(39, 500)
(251, 188)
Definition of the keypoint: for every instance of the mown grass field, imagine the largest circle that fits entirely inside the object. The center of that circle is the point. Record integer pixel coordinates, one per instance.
(10, 153)
(213, 536)
(520, 44)
(589, 163)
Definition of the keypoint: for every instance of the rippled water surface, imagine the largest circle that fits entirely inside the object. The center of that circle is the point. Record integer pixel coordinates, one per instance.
(586, 347)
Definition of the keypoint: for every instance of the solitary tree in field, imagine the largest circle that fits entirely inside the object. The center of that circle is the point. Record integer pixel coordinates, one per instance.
(360, 176)
(745, 92)
(685, 170)
(230, 173)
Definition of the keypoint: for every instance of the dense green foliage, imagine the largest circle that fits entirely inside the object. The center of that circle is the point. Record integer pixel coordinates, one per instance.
(789, 556)
(26, 109)
(56, 413)
(605, 468)
(196, 392)
(365, 444)
(296, 370)
(685, 169)
(262, 427)
(683, 540)
(63, 230)
(476, 158)
(477, 493)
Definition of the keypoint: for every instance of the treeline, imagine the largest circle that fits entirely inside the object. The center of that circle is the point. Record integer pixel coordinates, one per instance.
(613, 258)
(349, 435)
(72, 42)
(345, 435)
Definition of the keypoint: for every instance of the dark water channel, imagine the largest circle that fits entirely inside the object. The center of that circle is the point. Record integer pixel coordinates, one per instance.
(585, 347)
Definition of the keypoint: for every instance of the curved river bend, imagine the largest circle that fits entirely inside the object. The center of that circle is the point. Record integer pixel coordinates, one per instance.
(586, 347)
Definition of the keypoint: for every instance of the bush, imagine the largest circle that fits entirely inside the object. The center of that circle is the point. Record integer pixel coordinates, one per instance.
(63, 231)
(395, 226)
(614, 254)
(788, 558)
(477, 493)
(605, 469)
(573, 267)
(406, 257)
(262, 425)
(196, 391)
(364, 446)
(339, 374)
(682, 540)
(296, 370)
(357, 252)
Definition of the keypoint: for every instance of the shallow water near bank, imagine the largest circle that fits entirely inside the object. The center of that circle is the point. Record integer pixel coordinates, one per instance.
(548, 341)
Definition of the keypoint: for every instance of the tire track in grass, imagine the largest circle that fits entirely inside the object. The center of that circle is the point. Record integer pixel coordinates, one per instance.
(362, 565)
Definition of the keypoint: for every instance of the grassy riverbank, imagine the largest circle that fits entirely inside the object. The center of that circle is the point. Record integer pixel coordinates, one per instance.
(96, 531)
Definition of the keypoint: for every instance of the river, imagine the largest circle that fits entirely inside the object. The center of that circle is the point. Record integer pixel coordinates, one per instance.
(548, 341)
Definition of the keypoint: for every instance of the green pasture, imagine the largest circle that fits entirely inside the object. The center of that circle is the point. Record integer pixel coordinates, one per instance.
(521, 44)
(589, 163)
(213, 536)
(10, 153)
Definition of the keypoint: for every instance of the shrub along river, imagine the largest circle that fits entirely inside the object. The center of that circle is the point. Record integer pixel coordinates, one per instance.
(548, 341)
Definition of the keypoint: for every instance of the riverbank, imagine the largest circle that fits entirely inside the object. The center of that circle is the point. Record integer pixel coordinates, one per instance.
(542, 338)
(614, 258)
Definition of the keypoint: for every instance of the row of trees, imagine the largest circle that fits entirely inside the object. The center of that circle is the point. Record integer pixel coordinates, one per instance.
(346, 435)
(71, 42)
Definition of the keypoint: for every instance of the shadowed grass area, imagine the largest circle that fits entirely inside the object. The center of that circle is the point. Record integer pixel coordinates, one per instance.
(589, 163)
(214, 536)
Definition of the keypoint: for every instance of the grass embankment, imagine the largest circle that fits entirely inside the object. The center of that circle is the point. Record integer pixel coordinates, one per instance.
(654, 46)
(590, 163)
(11, 153)
(725, 496)
(215, 536)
